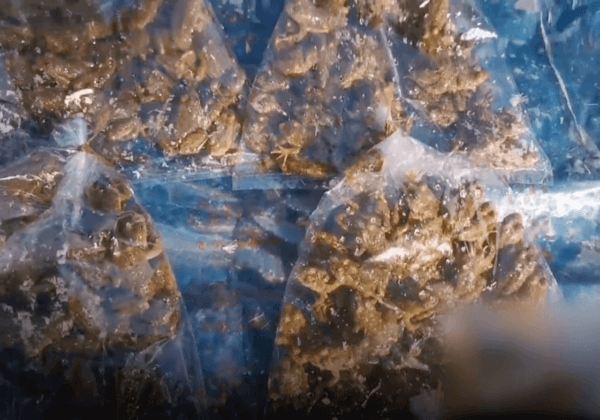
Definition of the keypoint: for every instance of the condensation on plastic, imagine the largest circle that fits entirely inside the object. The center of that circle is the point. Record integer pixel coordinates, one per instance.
(324, 94)
(154, 79)
(458, 90)
(89, 301)
(231, 252)
(357, 330)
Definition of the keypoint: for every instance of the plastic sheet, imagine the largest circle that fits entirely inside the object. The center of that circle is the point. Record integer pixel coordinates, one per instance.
(324, 94)
(153, 79)
(197, 220)
(232, 252)
(92, 318)
(458, 90)
(408, 235)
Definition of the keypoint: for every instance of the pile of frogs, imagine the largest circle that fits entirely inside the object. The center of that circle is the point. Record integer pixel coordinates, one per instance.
(255, 209)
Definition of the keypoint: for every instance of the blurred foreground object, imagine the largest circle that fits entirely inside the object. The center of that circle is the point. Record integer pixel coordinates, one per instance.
(529, 362)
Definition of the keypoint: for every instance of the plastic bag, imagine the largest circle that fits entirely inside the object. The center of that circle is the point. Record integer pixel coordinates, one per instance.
(456, 86)
(563, 218)
(274, 224)
(554, 59)
(231, 252)
(11, 113)
(408, 235)
(248, 26)
(91, 314)
(197, 221)
(154, 79)
(324, 94)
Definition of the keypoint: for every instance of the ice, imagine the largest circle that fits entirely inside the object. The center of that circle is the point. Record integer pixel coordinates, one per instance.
(407, 236)
(89, 294)
(324, 94)
(458, 90)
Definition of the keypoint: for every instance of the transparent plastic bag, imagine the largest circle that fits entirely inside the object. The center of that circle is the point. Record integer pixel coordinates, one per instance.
(92, 317)
(11, 113)
(274, 225)
(153, 78)
(324, 94)
(231, 252)
(563, 218)
(197, 221)
(408, 235)
(248, 26)
(458, 90)
(555, 65)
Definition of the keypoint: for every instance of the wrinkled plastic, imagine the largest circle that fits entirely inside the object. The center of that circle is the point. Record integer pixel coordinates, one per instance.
(11, 113)
(196, 221)
(457, 89)
(324, 94)
(154, 79)
(91, 314)
(552, 50)
(248, 26)
(231, 252)
(407, 235)
(564, 220)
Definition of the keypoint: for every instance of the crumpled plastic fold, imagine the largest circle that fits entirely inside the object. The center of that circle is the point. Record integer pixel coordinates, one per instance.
(232, 252)
(553, 55)
(563, 219)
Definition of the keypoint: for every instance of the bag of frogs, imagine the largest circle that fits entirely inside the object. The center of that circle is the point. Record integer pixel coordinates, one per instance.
(324, 94)
(457, 89)
(92, 317)
(154, 79)
(407, 236)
